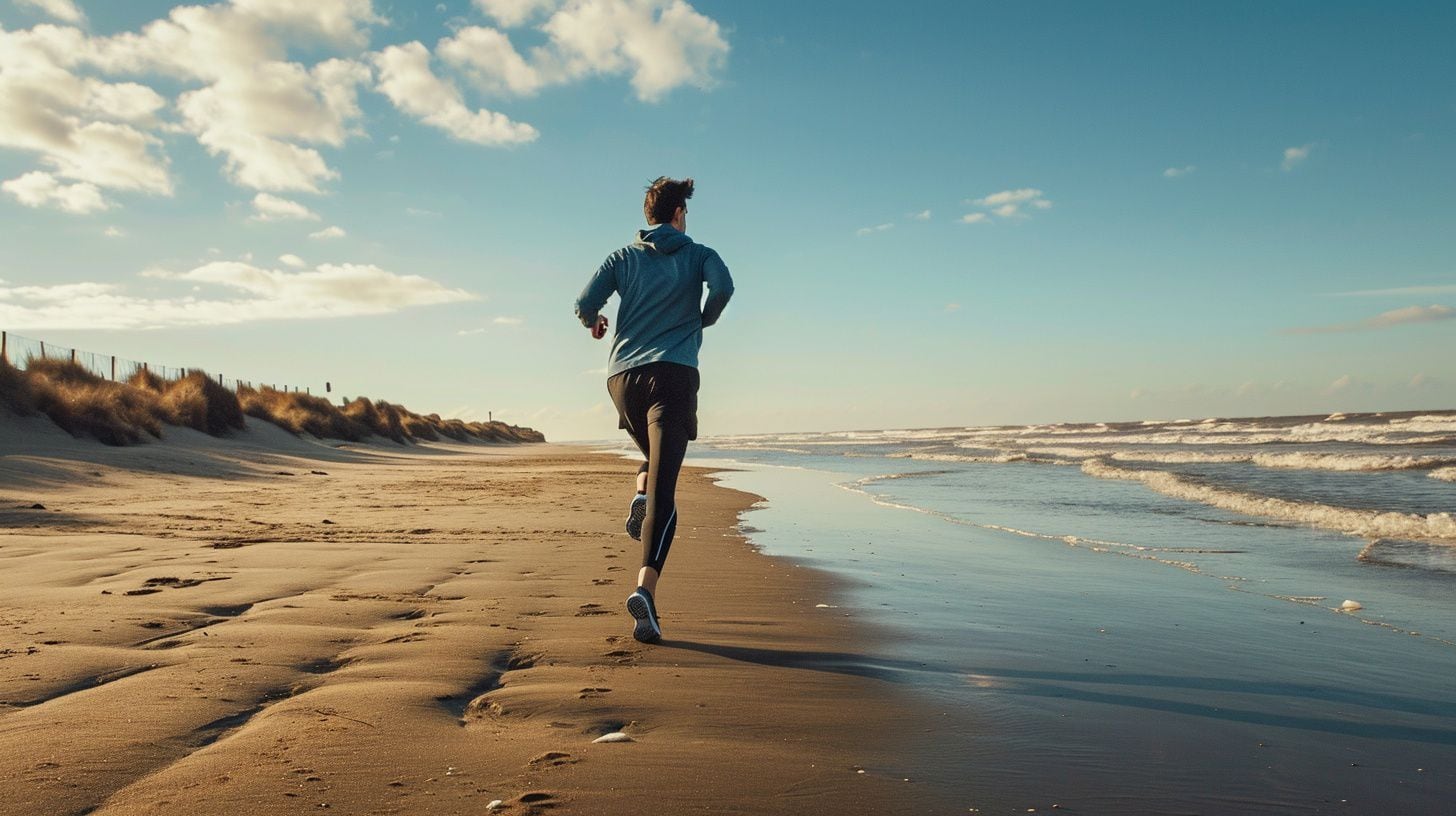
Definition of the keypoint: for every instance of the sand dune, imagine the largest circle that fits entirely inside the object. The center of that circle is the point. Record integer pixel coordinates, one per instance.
(264, 624)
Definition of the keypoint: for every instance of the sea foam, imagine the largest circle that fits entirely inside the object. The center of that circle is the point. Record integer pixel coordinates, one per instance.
(1435, 526)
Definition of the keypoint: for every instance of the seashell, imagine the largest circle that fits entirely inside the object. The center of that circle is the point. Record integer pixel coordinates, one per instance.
(615, 736)
(494, 803)
(1351, 606)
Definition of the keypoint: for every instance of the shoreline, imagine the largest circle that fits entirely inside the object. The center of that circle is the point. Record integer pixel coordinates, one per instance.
(1071, 674)
(421, 630)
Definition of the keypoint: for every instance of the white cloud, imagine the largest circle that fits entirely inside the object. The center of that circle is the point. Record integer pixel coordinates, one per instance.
(1339, 385)
(272, 208)
(973, 218)
(418, 212)
(1395, 317)
(509, 321)
(488, 59)
(469, 332)
(39, 190)
(253, 118)
(661, 44)
(327, 233)
(511, 13)
(923, 215)
(114, 232)
(64, 10)
(1178, 172)
(83, 129)
(339, 21)
(253, 109)
(1294, 156)
(1009, 203)
(405, 77)
(330, 290)
(872, 230)
(292, 260)
(952, 307)
(254, 104)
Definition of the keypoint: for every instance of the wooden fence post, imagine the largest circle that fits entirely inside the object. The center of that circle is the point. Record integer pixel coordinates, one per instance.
(4, 341)
(113, 368)
(42, 349)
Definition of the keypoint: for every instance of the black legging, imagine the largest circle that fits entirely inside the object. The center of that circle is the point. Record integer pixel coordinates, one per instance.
(658, 406)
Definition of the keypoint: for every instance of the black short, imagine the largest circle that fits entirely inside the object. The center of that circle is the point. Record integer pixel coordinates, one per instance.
(656, 393)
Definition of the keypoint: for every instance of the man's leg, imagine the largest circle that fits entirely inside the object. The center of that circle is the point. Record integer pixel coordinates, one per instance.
(668, 445)
(625, 390)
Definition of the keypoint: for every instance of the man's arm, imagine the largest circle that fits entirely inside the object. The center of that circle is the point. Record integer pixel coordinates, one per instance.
(601, 286)
(720, 288)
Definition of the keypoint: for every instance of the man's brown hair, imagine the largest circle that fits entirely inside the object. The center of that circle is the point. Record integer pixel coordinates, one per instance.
(664, 196)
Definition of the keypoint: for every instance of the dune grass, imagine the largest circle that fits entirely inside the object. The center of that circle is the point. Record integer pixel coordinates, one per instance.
(84, 404)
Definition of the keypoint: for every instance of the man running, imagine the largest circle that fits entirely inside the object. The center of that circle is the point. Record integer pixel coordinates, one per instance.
(653, 371)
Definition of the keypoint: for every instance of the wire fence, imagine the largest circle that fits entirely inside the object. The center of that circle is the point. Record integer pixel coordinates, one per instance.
(21, 351)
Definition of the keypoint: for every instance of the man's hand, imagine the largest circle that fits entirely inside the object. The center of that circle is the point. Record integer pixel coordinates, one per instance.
(600, 329)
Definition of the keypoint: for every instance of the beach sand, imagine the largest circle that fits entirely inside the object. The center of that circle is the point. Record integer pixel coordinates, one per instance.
(265, 625)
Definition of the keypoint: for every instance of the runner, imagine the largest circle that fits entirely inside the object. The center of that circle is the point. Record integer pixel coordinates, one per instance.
(653, 370)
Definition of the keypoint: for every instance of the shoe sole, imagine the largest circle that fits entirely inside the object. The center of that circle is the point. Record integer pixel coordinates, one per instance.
(647, 630)
(634, 519)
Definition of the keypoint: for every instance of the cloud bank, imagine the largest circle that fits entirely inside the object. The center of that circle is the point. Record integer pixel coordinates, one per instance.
(80, 105)
(257, 294)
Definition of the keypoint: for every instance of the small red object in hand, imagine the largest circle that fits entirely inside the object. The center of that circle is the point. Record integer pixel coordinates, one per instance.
(600, 329)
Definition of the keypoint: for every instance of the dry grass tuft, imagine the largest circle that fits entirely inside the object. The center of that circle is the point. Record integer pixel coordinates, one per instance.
(15, 392)
(198, 401)
(143, 378)
(85, 404)
(379, 418)
(418, 427)
(300, 413)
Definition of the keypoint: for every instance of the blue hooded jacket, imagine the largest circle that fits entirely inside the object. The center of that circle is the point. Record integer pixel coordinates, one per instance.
(660, 277)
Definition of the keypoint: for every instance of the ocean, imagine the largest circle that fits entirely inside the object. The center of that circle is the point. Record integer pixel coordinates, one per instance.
(1163, 616)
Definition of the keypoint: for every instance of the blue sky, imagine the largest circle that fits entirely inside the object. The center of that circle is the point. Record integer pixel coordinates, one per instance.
(958, 213)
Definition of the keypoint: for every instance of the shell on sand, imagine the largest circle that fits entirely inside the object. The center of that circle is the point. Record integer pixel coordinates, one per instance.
(494, 803)
(1351, 606)
(615, 736)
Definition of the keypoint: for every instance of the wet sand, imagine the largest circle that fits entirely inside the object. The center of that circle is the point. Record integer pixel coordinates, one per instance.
(263, 625)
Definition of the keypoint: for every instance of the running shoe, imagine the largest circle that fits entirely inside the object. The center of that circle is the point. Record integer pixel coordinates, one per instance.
(641, 607)
(635, 513)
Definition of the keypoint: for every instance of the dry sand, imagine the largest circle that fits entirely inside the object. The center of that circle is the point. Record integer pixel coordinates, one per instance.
(265, 625)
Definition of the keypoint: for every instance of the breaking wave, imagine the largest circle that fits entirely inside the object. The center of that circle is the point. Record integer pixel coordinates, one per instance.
(1294, 461)
(1434, 526)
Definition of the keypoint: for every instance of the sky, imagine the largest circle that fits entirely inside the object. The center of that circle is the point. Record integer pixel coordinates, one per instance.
(948, 214)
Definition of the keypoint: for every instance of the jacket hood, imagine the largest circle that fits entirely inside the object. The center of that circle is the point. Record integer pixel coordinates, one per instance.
(663, 237)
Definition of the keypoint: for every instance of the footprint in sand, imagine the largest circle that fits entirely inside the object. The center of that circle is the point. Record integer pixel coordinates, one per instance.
(603, 581)
(537, 801)
(590, 692)
(552, 759)
(587, 610)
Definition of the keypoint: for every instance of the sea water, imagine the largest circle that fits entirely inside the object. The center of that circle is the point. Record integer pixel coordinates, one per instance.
(1145, 617)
